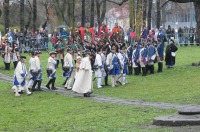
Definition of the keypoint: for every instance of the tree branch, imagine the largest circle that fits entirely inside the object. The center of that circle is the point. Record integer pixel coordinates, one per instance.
(117, 3)
(182, 1)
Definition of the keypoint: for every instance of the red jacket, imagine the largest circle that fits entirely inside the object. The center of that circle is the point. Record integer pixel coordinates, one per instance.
(82, 32)
(92, 32)
(114, 30)
(104, 29)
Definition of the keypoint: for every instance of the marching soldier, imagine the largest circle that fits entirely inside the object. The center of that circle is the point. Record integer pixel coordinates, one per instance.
(142, 59)
(113, 64)
(7, 55)
(59, 49)
(99, 69)
(160, 55)
(151, 57)
(37, 72)
(135, 60)
(31, 69)
(124, 65)
(15, 54)
(105, 73)
(20, 77)
(51, 71)
(69, 63)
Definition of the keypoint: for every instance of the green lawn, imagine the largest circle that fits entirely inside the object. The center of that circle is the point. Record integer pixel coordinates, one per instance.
(177, 85)
(49, 111)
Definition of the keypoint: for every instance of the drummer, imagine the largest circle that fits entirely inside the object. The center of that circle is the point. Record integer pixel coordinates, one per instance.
(68, 69)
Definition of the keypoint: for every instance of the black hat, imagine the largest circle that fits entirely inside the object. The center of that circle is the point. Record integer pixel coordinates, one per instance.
(69, 49)
(59, 40)
(53, 52)
(99, 49)
(37, 52)
(86, 52)
(122, 46)
(22, 57)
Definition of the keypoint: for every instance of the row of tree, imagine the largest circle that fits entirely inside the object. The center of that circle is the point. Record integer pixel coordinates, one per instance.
(58, 12)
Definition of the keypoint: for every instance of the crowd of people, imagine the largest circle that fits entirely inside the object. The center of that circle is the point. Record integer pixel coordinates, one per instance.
(103, 53)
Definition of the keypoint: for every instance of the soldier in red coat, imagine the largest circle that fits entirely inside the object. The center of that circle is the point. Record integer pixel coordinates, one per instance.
(103, 30)
(90, 31)
(81, 31)
(116, 33)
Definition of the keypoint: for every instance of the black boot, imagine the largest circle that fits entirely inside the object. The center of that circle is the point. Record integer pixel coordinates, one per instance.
(160, 66)
(8, 66)
(53, 84)
(86, 94)
(50, 81)
(34, 84)
(64, 82)
(106, 80)
(15, 64)
(57, 62)
(39, 85)
(136, 70)
(143, 71)
(62, 62)
(152, 69)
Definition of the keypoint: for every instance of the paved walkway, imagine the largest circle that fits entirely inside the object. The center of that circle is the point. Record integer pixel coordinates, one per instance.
(101, 98)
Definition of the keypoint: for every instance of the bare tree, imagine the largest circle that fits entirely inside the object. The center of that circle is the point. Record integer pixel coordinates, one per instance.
(83, 13)
(34, 15)
(6, 15)
(149, 15)
(22, 15)
(158, 22)
(92, 14)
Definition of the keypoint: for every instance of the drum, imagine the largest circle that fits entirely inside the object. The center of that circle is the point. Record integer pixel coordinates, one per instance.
(66, 69)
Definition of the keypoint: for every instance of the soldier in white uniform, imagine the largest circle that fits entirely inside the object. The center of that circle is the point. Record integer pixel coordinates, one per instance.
(83, 83)
(124, 62)
(105, 72)
(51, 70)
(7, 55)
(37, 72)
(20, 77)
(15, 54)
(99, 69)
(31, 69)
(69, 62)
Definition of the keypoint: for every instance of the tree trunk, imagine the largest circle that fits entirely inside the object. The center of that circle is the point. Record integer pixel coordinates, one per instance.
(34, 15)
(71, 13)
(98, 13)
(158, 14)
(92, 14)
(6, 15)
(83, 13)
(22, 15)
(103, 12)
(149, 14)
(144, 12)
(197, 11)
(132, 12)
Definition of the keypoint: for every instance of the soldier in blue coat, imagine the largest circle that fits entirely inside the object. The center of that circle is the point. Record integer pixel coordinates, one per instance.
(160, 55)
(113, 64)
(151, 57)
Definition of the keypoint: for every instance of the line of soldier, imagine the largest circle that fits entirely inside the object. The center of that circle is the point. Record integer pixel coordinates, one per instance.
(110, 58)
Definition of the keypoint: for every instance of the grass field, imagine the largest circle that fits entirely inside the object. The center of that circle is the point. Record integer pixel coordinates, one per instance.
(178, 85)
(49, 111)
